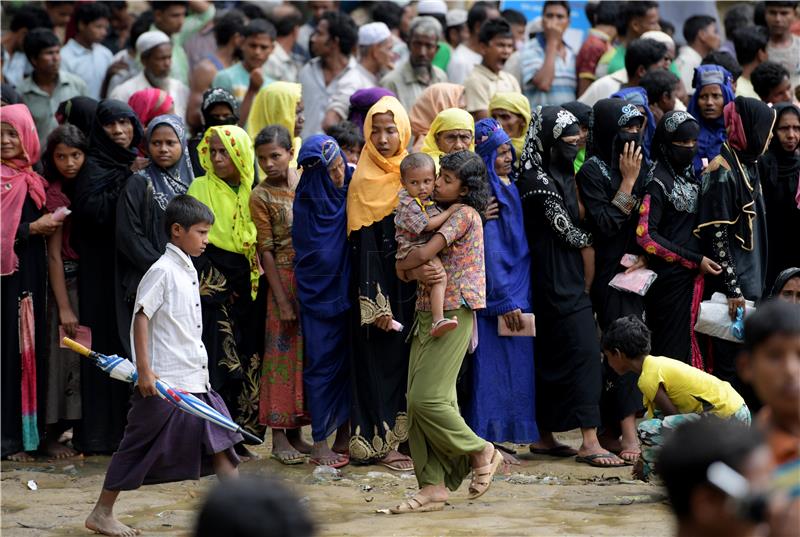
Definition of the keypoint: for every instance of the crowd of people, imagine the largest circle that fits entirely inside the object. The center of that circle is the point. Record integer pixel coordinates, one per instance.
(386, 206)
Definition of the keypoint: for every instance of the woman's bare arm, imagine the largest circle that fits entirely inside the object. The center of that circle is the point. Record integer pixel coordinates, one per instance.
(424, 253)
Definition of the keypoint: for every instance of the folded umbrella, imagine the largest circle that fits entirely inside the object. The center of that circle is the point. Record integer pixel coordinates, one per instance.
(121, 369)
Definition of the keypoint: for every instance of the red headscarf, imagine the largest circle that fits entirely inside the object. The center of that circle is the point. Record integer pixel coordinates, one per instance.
(17, 181)
(149, 103)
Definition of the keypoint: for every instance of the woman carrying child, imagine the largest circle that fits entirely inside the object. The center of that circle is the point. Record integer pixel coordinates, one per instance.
(380, 354)
(502, 407)
(23, 275)
(281, 405)
(63, 159)
(568, 376)
(667, 217)
(322, 269)
(229, 273)
(141, 237)
(443, 447)
(113, 142)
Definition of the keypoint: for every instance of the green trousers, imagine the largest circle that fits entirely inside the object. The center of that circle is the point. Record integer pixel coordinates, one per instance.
(439, 438)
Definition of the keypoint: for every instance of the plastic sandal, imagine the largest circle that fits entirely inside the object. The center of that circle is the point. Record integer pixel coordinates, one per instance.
(442, 326)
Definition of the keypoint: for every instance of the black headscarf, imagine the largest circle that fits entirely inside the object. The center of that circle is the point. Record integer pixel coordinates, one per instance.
(782, 279)
(581, 111)
(9, 94)
(108, 163)
(788, 163)
(609, 116)
(78, 111)
(748, 123)
(673, 170)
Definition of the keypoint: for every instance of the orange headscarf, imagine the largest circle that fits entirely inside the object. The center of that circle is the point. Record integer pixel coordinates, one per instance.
(373, 192)
(434, 99)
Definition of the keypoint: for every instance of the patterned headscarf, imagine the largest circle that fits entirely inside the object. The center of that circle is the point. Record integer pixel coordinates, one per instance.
(169, 182)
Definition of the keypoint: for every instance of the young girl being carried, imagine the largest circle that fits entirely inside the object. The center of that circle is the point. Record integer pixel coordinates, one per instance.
(417, 220)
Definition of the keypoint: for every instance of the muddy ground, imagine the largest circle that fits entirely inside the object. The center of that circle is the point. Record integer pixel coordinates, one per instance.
(543, 496)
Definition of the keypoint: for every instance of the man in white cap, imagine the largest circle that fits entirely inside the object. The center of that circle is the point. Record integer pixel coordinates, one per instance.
(457, 31)
(410, 78)
(375, 54)
(155, 54)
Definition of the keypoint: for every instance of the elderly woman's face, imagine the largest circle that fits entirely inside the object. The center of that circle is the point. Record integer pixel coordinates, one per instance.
(512, 123)
(791, 291)
(453, 140)
(336, 171)
(503, 161)
(221, 160)
(120, 131)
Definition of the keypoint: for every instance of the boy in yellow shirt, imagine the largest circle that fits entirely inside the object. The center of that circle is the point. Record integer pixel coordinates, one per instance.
(673, 391)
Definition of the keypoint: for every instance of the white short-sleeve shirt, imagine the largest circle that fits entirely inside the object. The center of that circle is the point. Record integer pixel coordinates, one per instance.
(169, 295)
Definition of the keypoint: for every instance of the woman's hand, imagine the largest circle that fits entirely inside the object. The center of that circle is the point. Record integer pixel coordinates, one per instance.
(492, 210)
(641, 262)
(140, 163)
(384, 322)
(427, 273)
(69, 321)
(513, 320)
(734, 304)
(286, 312)
(147, 383)
(708, 266)
(45, 225)
(630, 162)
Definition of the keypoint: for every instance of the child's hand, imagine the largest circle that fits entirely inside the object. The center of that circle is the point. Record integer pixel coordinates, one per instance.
(707, 266)
(147, 383)
(69, 321)
(286, 312)
(454, 207)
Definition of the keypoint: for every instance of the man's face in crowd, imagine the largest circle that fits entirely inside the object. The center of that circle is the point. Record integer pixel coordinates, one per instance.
(781, 93)
(48, 62)
(779, 19)
(60, 12)
(555, 15)
(255, 50)
(711, 102)
(95, 31)
(158, 61)
(497, 51)
(640, 25)
(319, 7)
(170, 20)
(710, 36)
(321, 40)
(384, 54)
(422, 50)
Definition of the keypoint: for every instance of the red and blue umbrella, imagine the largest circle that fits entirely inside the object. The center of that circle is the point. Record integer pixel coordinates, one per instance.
(122, 369)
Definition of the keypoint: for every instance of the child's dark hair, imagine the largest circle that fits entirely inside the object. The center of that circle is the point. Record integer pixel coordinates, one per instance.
(415, 161)
(88, 12)
(773, 317)
(37, 40)
(70, 136)
(628, 335)
(684, 460)
(470, 168)
(696, 24)
(561, 3)
(258, 27)
(251, 506)
(657, 82)
(723, 59)
(186, 211)
(494, 28)
(766, 77)
(274, 134)
(748, 42)
(347, 134)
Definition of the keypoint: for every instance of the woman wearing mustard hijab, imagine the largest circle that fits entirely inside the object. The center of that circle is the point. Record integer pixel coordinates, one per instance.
(452, 130)
(380, 354)
(280, 103)
(513, 111)
(228, 273)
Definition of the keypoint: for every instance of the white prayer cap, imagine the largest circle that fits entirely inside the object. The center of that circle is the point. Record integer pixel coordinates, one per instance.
(432, 7)
(661, 37)
(150, 40)
(456, 17)
(373, 33)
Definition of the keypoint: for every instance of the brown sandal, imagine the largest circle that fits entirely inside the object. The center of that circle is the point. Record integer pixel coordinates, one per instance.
(418, 504)
(482, 477)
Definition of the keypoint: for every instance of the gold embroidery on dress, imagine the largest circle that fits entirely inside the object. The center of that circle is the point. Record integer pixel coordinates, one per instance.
(362, 449)
(249, 398)
(372, 309)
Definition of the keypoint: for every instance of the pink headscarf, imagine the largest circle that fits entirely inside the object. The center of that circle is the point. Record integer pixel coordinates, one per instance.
(149, 103)
(17, 181)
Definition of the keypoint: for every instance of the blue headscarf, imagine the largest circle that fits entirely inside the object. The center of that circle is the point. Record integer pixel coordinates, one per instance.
(712, 133)
(508, 284)
(175, 180)
(638, 96)
(319, 231)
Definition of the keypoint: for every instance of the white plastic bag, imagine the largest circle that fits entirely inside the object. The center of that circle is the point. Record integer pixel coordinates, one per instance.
(714, 319)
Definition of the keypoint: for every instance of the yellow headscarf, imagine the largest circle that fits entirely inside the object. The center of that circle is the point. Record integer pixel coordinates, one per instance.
(518, 104)
(276, 105)
(447, 120)
(233, 229)
(373, 191)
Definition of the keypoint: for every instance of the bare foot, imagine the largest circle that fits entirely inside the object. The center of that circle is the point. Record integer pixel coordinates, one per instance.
(322, 455)
(108, 525)
(57, 450)
(296, 440)
(509, 459)
(394, 460)
(342, 442)
(21, 456)
(244, 453)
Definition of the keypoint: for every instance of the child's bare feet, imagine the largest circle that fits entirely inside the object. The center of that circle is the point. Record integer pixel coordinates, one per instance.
(21, 456)
(103, 522)
(296, 440)
(442, 326)
(57, 450)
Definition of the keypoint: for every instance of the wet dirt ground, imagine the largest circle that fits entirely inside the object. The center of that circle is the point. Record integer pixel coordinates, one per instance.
(543, 496)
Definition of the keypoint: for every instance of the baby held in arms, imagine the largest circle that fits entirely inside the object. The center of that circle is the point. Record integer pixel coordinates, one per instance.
(417, 220)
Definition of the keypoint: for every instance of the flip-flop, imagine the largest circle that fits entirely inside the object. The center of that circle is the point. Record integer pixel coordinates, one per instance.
(482, 477)
(288, 458)
(417, 504)
(591, 460)
(341, 464)
(391, 465)
(558, 451)
(442, 326)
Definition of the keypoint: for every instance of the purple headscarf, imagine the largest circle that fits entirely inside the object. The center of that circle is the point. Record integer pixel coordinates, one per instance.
(362, 100)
